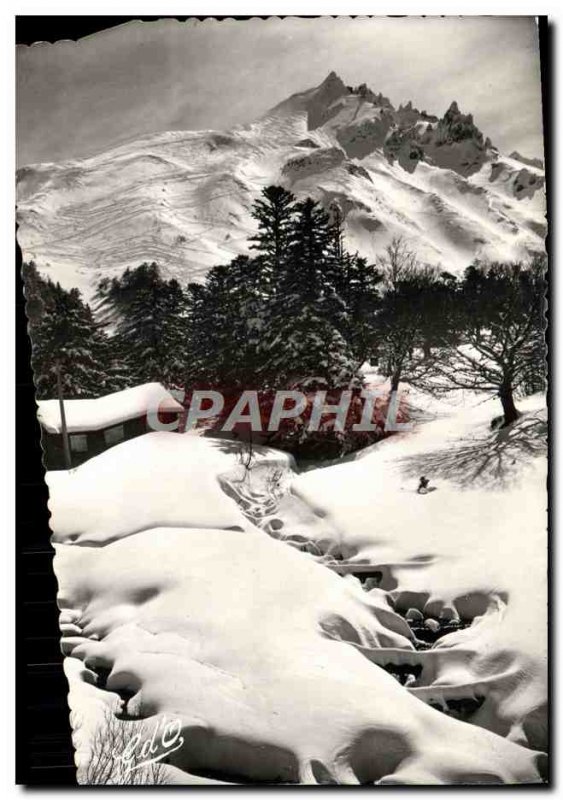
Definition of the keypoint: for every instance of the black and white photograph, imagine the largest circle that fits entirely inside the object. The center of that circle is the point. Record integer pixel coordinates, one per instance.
(285, 285)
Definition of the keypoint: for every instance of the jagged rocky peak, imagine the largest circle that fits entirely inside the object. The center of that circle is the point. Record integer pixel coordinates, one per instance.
(313, 101)
(331, 88)
(407, 115)
(332, 79)
(456, 126)
(363, 122)
(453, 142)
(364, 91)
(357, 131)
(320, 106)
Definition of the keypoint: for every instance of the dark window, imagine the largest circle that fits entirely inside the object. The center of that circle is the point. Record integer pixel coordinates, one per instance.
(79, 443)
(114, 435)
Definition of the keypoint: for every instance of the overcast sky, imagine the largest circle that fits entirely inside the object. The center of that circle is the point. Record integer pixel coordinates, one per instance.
(78, 98)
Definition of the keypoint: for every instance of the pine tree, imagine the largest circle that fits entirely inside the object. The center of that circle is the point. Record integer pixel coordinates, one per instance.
(362, 301)
(274, 213)
(201, 353)
(336, 263)
(301, 339)
(118, 374)
(150, 319)
(225, 323)
(350, 295)
(65, 337)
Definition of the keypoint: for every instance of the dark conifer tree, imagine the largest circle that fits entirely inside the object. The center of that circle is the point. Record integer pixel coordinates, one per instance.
(202, 354)
(274, 213)
(118, 374)
(149, 316)
(65, 338)
(334, 277)
(301, 339)
(225, 324)
(362, 299)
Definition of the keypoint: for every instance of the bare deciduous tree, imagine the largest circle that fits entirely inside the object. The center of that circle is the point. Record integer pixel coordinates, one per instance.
(246, 456)
(412, 318)
(105, 766)
(499, 309)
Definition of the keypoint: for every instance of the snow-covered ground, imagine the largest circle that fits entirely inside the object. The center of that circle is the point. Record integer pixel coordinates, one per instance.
(191, 589)
(475, 547)
(183, 199)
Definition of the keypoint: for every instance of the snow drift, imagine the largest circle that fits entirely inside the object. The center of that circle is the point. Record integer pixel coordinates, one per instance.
(191, 604)
(476, 548)
(247, 642)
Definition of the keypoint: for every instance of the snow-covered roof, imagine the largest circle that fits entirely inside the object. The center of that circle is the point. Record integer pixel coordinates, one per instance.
(102, 412)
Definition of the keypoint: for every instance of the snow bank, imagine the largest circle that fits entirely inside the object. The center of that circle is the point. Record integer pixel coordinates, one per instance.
(247, 643)
(159, 479)
(96, 414)
(476, 548)
(175, 603)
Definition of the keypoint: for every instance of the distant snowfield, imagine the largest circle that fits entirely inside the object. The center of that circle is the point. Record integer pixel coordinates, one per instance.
(195, 605)
(183, 199)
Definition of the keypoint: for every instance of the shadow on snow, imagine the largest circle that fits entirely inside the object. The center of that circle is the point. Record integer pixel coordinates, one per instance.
(492, 461)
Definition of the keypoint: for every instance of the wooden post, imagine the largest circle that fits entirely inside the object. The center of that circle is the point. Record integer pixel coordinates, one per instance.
(64, 431)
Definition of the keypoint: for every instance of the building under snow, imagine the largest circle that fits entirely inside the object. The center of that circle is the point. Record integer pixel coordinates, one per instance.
(94, 425)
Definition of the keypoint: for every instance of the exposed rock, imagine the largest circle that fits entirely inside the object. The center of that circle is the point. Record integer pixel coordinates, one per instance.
(526, 183)
(320, 107)
(355, 169)
(530, 162)
(361, 139)
(320, 161)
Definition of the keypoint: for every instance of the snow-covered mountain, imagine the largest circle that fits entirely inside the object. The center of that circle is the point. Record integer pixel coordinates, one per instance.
(183, 199)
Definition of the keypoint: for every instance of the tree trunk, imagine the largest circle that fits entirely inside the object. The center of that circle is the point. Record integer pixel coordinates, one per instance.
(511, 413)
(395, 378)
(64, 430)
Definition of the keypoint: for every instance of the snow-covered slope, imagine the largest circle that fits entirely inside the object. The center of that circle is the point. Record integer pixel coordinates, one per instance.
(184, 199)
(475, 548)
(193, 605)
